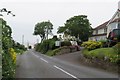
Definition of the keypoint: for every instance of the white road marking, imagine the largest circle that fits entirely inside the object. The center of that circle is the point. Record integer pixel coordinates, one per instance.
(66, 72)
(44, 60)
(41, 58)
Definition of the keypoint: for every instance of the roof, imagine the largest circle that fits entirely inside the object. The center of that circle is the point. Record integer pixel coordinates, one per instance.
(116, 20)
(104, 25)
(101, 26)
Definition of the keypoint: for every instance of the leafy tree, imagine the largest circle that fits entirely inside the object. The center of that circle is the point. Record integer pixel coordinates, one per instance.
(43, 29)
(9, 48)
(77, 26)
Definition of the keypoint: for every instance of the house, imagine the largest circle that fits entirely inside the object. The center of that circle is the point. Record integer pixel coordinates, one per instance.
(114, 22)
(102, 31)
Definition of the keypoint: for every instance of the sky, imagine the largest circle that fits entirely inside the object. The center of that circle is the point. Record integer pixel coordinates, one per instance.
(30, 12)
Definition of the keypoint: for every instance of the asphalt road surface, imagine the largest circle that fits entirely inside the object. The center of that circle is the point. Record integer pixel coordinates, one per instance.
(35, 65)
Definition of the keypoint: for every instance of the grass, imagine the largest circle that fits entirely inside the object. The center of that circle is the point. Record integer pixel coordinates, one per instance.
(102, 53)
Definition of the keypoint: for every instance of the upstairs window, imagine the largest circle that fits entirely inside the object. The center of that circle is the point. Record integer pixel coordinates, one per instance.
(105, 30)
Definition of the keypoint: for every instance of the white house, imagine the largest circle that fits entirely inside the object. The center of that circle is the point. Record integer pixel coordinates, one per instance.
(102, 31)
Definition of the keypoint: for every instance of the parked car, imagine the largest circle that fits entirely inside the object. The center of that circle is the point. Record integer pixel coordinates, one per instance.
(114, 37)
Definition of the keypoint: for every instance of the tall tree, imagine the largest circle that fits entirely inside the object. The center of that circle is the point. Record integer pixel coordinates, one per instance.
(43, 29)
(78, 26)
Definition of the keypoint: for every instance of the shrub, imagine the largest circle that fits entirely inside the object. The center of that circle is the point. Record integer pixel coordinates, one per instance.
(45, 46)
(13, 55)
(55, 51)
(66, 43)
(117, 48)
(102, 54)
(104, 43)
(91, 45)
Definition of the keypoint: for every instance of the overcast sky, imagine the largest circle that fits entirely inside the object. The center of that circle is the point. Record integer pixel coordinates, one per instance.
(29, 12)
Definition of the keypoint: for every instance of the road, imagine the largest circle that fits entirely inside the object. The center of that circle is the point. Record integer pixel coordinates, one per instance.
(35, 65)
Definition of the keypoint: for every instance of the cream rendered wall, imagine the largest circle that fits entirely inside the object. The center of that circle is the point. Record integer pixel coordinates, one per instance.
(101, 31)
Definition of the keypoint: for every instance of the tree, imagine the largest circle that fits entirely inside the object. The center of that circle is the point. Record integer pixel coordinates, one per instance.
(43, 29)
(77, 26)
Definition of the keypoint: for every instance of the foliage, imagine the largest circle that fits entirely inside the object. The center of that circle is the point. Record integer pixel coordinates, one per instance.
(9, 49)
(65, 43)
(45, 45)
(8, 69)
(55, 51)
(102, 54)
(117, 48)
(18, 46)
(91, 45)
(43, 29)
(104, 43)
(13, 54)
(77, 26)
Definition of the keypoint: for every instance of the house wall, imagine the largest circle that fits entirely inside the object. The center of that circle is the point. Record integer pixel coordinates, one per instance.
(94, 32)
(98, 38)
(101, 31)
(111, 27)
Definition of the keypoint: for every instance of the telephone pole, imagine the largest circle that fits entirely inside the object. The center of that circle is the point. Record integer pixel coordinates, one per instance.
(22, 39)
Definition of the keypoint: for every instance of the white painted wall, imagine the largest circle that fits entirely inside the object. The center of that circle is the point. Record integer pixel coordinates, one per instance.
(98, 38)
(111, 27)
(94, 32)
(101, 31)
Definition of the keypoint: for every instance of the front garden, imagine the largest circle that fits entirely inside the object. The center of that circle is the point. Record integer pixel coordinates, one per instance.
(105, 58)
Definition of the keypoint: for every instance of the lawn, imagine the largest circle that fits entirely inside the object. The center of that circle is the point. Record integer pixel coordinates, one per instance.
(102, 53)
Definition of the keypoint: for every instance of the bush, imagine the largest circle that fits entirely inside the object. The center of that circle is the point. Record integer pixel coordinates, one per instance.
(104, 43)
(56, 51)
(66, 43)
(8, 63)
(45, 46)
(91, 45)
(117, 48)
(102, 54)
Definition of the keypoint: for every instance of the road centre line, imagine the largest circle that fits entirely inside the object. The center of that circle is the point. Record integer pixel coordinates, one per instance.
(41, 58)
(44, 60)
(66, 72)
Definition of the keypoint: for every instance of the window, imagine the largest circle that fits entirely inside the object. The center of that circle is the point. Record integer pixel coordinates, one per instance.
(105, 30)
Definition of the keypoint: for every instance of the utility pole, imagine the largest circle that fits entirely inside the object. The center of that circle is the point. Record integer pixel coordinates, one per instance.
(22, 39)
(28, 44)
